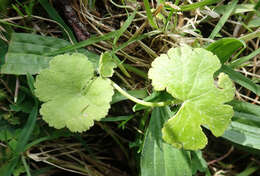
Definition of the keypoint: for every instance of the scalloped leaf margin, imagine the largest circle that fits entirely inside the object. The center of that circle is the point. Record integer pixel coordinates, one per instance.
(73, 96)
(187, 74)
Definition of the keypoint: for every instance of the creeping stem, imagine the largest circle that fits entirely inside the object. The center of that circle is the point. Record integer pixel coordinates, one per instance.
(138, 101)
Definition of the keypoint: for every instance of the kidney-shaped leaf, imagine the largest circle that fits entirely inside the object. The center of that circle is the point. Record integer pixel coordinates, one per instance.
(73, 96)
(187, 74)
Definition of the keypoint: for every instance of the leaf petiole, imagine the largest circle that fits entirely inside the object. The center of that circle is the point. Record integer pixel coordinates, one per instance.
(144, 103)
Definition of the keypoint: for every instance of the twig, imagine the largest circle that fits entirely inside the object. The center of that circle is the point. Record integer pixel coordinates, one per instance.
(222, 157)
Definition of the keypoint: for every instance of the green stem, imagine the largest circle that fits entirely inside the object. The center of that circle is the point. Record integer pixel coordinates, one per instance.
(250, 36)
(138, 101)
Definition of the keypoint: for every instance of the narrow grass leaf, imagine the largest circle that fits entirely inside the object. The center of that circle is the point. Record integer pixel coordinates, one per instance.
(196, 5)
(240, 8)
(158, 157)
(242, 60)
(26, 166)
(22, 141)
(90, 41)
(250, 36)
(55, 16)
(241, 79)
(223, 19)
(149, 14)
(116, 119)
(136, 71)
(134, 39)
(124, 27)
(121, 66)
(30, 82)
(225, 48)
(15, 25)
(249, 170)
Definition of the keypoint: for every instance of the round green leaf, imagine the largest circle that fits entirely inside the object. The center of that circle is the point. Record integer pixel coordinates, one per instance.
(73, 97)
(187, 74)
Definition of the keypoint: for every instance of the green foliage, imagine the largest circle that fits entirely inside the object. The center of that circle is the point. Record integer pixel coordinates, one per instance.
(225, 47)
(158, 157)
(73, 96)
(106, 65)
(187, 74)
(27, 53)
(245, 126)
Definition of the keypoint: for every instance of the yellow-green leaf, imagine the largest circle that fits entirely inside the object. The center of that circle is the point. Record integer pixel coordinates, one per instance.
(73, 96)
(187, 74)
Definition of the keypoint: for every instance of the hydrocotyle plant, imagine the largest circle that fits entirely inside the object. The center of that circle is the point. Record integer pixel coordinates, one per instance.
(74, 96)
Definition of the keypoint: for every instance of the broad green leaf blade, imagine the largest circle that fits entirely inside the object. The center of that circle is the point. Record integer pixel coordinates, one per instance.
(243, 134)
(26, 53)
(245, 126)
(158, 157)
(73, 97)
(225, 48)
(106, 65)
(187, 74)
(241, 106)
(254, 23)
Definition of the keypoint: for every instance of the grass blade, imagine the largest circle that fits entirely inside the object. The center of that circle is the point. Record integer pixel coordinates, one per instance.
(242, 60)
(197, 5)
(223, 19)
(124, 27)
(250, 36)
(84, 43)
(23, 139)
(55, 16)
(26, 166)
(241, 79)
(149, 14)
